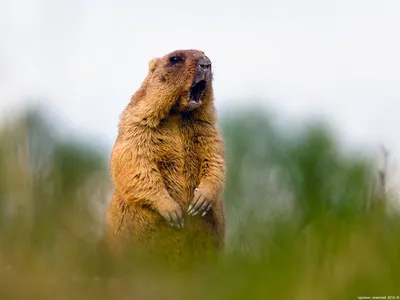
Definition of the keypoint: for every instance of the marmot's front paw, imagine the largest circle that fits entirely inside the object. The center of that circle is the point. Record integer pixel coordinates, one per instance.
(172, 213)
(203, 200)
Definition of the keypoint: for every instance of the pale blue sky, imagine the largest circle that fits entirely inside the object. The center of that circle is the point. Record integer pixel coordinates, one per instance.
(338, 59)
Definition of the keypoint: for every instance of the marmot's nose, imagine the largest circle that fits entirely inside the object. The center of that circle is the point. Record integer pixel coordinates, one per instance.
(204, 62)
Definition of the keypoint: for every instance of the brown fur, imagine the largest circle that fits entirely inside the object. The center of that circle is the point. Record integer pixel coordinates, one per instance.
(163, 152)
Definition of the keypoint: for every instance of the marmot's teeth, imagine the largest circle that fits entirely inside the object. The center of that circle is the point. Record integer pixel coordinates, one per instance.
(197, 90)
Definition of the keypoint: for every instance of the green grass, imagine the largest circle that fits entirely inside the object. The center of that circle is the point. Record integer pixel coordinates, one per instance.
(303, 221)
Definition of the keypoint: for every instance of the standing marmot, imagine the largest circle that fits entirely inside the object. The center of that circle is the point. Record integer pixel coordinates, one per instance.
(167, 163)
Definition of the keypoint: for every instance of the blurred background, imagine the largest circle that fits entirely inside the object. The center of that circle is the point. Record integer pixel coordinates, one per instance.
(307, 95)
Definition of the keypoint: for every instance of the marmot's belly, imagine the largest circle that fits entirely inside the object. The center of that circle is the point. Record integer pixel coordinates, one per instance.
(149, 229)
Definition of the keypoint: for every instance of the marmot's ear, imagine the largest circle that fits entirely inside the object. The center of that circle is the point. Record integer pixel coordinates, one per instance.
(153, 64)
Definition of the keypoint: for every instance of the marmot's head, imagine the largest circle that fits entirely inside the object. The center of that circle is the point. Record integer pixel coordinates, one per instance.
(184, 76)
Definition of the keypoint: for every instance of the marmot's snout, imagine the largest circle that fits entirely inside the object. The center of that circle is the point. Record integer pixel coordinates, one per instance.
(204, 63)
(203, 72)
(203, 69)
(202, 77)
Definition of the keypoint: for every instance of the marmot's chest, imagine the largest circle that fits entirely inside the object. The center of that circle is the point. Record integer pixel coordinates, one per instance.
(178, 148)
(179, 154)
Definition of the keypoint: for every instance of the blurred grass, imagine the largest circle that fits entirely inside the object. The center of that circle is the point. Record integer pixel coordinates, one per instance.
(304, 221)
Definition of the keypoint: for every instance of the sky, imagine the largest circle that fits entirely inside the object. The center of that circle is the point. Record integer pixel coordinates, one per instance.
(339, 60)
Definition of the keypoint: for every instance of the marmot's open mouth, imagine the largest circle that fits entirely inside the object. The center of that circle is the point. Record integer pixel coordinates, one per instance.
(197, 90)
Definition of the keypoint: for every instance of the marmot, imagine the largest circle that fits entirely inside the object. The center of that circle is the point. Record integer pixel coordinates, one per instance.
(167, 164)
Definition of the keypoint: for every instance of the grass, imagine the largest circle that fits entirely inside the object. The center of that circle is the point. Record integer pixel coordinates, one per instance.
(305, 221)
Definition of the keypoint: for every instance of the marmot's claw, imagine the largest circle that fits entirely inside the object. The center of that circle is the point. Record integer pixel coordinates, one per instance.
(176, 220)
(200, 203)
(174, 217)
(207, 209)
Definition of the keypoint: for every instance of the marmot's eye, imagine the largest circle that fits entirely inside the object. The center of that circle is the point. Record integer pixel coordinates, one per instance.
(174, 59)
